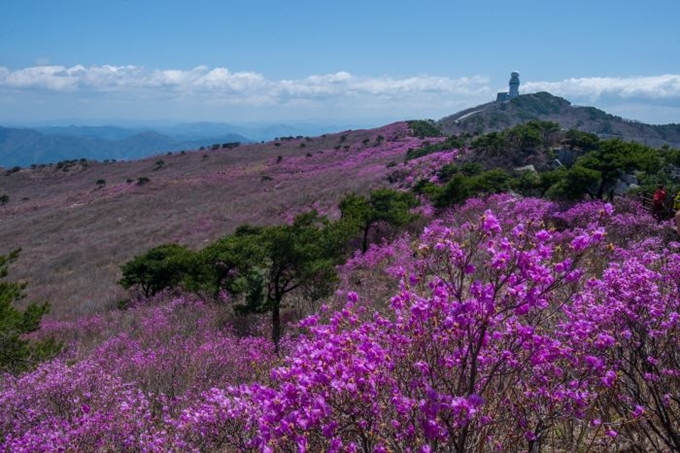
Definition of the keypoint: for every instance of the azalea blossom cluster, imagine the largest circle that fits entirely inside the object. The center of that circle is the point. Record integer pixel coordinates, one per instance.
(423, 168)
(125, 378)
(512, 325)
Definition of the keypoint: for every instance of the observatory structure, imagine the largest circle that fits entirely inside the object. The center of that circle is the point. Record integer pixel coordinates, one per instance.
(514, 88)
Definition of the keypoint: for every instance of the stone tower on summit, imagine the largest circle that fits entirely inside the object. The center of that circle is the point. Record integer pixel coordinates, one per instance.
(514, 88)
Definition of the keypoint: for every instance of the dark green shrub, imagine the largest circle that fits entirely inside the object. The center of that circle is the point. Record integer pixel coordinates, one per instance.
(424, 128)
(165, 266)
(427, 148)
(462, 185)
(382, 206)
(123, 304)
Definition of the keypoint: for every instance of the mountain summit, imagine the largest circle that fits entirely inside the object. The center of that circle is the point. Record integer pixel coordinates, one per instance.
(543, 106)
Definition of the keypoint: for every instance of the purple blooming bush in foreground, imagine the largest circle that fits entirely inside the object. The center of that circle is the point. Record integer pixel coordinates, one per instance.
(512, 326)
(127, 394)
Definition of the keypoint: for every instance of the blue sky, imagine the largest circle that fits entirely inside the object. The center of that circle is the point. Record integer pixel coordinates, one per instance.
(360, 62)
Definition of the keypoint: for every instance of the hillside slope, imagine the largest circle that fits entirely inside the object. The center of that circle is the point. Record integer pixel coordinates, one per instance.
(78, 222)
(496, 116)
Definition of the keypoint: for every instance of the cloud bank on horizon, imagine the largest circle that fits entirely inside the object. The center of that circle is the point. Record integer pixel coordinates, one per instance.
(52, 92)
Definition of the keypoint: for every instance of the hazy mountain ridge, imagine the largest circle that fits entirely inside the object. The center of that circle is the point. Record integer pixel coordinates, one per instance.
(543, 106)
(23, 147)
(103, 132)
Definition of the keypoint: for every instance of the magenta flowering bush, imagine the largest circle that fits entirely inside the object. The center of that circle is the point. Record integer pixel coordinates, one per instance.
(489, 347)
(507, 325)
(466, 357)
(629, 320)
(75, 408)
(128, 393)
(425, 167)
(374, 275)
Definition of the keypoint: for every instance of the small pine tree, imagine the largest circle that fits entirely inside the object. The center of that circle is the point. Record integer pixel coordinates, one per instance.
(267, 264)
(18, 354)
(382, 206)
(165, 266)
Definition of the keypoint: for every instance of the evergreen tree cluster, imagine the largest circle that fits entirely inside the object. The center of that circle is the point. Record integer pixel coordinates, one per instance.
(261, 266)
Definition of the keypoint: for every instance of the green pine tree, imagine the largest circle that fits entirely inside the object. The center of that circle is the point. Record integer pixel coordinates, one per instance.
(17, 353)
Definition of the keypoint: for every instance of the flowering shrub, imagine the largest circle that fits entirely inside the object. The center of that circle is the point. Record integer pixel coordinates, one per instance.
(497, 341)
(629, 320)
(126, 394)
(512, 326)
(422, 168)
(75, 408)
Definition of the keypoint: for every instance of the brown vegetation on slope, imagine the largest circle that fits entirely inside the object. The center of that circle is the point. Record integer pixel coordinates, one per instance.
(77, 223)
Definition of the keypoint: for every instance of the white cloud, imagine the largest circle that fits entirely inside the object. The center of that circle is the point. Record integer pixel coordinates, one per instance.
(665, 86)
(202, 79)
(47, 77)
(218, 91)
(222, 81)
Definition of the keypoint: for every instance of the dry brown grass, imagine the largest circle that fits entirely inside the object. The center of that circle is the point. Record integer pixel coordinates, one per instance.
(75, 235)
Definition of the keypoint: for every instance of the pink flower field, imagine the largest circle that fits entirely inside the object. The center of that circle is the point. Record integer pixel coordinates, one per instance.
(507, 325)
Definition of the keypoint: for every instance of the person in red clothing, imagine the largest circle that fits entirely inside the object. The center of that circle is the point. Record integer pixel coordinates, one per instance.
(658, 202)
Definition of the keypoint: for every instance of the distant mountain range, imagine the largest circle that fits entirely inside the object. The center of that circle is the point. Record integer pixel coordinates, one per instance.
(496, 116)
(23, 147)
